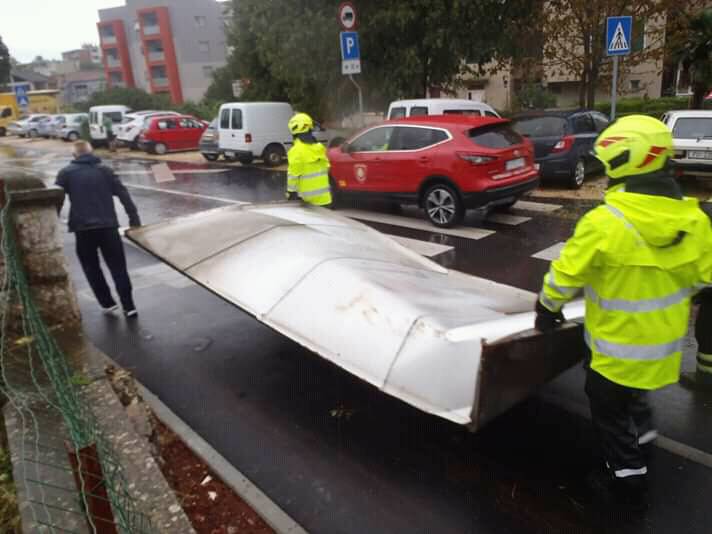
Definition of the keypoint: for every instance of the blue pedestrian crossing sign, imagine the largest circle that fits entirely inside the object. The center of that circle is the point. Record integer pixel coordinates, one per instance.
(23, 100)
(618, 35)
(350, 53)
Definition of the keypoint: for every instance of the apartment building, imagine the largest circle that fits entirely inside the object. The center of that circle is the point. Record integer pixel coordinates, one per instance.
(163, 46)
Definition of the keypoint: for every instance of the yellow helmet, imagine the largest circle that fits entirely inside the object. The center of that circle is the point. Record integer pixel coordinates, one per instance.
(300, 123)
(632, 145)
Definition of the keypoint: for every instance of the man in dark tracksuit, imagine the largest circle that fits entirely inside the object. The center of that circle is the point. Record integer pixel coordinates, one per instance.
(91, 188)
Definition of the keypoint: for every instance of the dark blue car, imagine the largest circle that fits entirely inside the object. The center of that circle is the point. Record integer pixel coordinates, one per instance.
(563, 142)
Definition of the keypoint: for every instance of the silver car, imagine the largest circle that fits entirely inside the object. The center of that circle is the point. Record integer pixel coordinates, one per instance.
(72, 127)
(27, 127)
(47, 126)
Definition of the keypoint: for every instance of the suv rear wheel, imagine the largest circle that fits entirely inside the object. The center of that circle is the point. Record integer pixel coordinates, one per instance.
(160, 148)
(443, 206)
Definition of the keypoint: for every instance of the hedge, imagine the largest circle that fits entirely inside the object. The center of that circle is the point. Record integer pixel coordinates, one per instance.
(646, 106)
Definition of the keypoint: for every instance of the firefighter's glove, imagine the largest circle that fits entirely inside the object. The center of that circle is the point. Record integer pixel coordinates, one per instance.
(292, 195)
(547, 320)
(703, 296)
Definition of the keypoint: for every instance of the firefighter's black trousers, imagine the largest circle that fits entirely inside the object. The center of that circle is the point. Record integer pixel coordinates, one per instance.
(621, 416)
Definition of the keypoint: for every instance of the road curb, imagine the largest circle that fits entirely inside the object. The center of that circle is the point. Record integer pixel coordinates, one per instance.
(273, 515)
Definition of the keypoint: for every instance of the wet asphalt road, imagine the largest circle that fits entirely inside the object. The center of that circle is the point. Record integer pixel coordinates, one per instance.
(335, 453)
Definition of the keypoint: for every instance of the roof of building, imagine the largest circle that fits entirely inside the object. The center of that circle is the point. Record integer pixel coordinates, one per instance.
(28, 75)
(84, 76)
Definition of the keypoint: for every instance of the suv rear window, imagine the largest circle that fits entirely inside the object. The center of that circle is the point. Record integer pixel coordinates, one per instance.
(495, 136)
(693, 128)
(540, 126)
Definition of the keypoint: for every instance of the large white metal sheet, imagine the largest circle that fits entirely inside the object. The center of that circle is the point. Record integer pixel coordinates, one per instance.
(352, 295)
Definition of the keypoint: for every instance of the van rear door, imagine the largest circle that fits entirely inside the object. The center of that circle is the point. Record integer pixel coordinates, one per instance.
(232, 135)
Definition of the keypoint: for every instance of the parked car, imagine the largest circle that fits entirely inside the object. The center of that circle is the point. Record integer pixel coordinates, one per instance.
(26, 127)
(167, 133)
(692, 140)
(130, 128)
(249, 130)
(48, 126)
(97, 114)
(445, 164)
(210, 142)
(71, 129)
(563, 142)
(438, 106)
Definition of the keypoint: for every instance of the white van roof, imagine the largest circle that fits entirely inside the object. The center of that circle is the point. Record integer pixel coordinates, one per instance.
(96, 109)
(255, 104)
(443, 101)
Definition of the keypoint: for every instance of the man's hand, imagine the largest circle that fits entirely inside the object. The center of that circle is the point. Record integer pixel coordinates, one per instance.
(547, 320)
(292, 195)
(134, 222)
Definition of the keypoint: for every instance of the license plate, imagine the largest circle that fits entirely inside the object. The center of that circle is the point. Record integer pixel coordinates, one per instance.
(699, 154)
(515, 164)
(229, 153)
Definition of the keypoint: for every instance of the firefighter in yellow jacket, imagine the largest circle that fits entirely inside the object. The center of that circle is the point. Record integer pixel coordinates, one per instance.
(308, 173)
(638, 258)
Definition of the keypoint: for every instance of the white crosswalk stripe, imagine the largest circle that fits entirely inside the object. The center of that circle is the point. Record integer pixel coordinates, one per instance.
(536, 206)
(550, 253)
(424, 248)
(415, 224)
(507, 218)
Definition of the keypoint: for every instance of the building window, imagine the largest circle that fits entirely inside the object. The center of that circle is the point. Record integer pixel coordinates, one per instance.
(204, 46)
(199, 21)
(207, 71)
(635, 85)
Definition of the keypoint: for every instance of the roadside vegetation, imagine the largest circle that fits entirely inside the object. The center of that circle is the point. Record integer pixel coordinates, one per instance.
(9, 513)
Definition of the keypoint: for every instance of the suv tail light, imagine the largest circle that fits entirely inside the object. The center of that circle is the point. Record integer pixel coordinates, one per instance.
(476, 159)
(248, 138)
(564, 144)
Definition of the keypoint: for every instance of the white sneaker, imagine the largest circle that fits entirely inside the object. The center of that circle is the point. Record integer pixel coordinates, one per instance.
(110, 310)
(131, 313)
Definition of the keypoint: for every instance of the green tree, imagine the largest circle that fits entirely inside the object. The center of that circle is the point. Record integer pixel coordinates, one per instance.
(695, 54)
(574, 33)
(136, 99)
(288, 49)
(5, 65)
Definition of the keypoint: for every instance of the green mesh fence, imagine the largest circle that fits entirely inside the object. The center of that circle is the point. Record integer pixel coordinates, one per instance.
(43, 393)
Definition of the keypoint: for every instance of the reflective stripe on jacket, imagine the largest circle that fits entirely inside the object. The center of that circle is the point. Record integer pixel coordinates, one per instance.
(308, 173)
(638, 259)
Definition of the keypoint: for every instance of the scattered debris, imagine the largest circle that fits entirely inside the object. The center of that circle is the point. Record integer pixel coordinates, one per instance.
(206, 480)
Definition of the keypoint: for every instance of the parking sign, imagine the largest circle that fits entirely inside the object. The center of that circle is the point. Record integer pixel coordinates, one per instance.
(350, 53)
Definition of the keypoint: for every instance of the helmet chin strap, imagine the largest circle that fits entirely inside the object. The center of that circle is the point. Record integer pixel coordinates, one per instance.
(659, 183)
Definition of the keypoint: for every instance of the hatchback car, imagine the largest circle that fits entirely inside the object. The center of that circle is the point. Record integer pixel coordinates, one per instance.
(130, 128)
(71, 130)
(692, 141)
(170, 133)
(445, 164)
(210, 142)
(563, 142)
(27, 126)
(48, 127)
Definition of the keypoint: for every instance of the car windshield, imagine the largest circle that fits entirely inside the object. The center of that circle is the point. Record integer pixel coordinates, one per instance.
(495, 136)
(540, 126)
(693, 128)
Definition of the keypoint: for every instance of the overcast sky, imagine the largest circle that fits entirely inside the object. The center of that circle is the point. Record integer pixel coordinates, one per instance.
(47, 28)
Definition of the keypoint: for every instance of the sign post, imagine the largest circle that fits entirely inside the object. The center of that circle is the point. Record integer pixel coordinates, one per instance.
(618, 39)
(23, 99)
(350, 49)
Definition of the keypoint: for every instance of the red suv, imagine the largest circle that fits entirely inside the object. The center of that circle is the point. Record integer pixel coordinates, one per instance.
(170, 132)
(445, 164)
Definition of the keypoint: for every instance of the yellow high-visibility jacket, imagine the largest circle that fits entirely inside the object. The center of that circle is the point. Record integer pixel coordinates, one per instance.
(639, 259)
(308, 173)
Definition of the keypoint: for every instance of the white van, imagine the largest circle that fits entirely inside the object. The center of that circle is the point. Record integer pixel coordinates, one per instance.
(249, 130)
(438, 106)
(97, 114)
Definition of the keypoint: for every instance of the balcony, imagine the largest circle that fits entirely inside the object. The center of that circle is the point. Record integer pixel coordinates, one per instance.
(156, 55)
(151, 29)
(108, 39)
(160, 82)
(113, 62)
